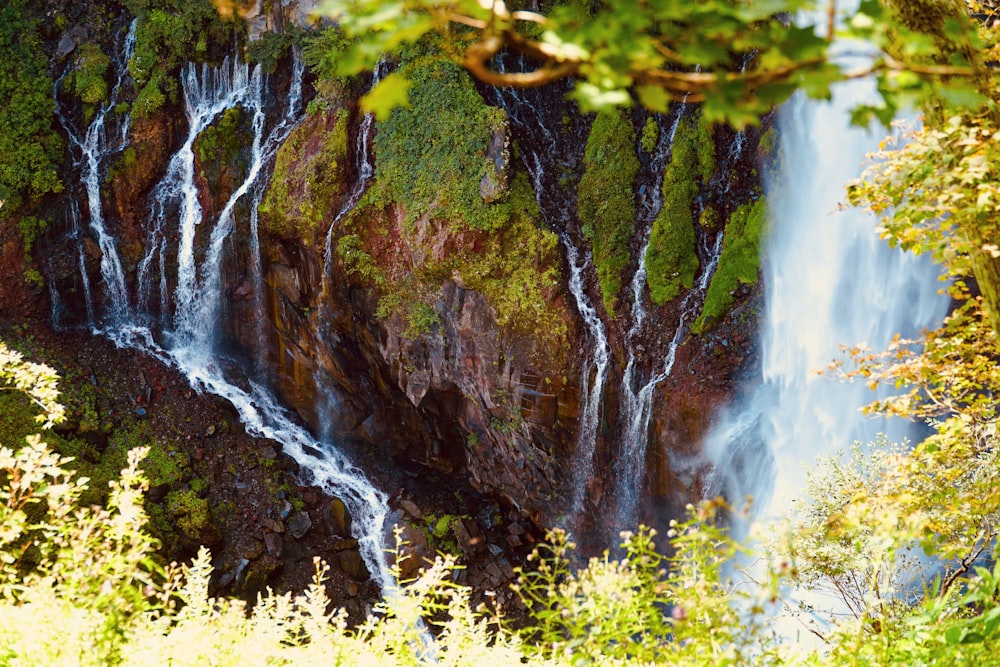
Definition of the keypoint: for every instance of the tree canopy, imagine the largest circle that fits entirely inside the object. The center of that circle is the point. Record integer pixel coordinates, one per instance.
(737, 58)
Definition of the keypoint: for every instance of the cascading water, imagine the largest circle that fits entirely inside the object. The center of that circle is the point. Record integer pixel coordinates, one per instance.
(95, 148)
(829, 281)
(366, 169)
(177, 213)
(528, 114)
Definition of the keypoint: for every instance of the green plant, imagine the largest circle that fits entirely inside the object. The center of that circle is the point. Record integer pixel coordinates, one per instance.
(30, 147)
(650, 134)
(431, 156)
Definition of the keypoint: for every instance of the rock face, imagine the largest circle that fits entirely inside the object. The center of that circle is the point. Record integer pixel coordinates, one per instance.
(472, 392)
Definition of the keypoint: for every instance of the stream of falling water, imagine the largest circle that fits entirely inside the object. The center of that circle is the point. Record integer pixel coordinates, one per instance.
(95, 147)
(189, 343)
(525, 109)
(829, 280)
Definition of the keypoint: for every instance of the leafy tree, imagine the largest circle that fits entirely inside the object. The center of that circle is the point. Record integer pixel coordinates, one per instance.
(738, 58)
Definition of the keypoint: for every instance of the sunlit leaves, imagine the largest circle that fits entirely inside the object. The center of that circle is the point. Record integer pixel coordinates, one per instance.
(391, 92)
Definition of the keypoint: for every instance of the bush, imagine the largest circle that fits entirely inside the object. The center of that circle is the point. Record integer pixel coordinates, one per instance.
(31, 149)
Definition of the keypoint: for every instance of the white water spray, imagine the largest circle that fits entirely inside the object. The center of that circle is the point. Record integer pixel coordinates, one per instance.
(829, 281)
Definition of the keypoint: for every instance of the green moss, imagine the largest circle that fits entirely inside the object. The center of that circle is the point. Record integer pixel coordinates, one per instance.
(190, 513)
(672, 259)
(220, 142)
(738, 263)
(605, 201)
(307, 179)
(500, 249)
(432, 156)
(650, 135)
(169, 34)
(89, 81)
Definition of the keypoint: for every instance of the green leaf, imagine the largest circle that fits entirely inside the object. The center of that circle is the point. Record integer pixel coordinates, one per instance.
(654, 98)
(391, 92)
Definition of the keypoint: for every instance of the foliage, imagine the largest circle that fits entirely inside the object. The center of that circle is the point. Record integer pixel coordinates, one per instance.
(30, 147)
(432, 156)
(169, 34)
(309, 173)
(606, 203)
(220, 142)
(739, 262)
(78, 586)
(268, 49)
(671, 259)
(635, 610)
(956, 226)
(675, 51)
(36, 381)
(321, 51)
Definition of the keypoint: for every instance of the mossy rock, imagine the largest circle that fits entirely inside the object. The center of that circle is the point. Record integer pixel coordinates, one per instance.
(672, 256)
(606, 200)
(739, 262)
(309, 177)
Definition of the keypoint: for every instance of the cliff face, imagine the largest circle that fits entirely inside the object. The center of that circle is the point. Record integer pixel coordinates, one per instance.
(416, 303)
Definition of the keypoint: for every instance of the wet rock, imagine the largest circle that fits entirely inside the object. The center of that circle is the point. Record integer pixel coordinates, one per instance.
(470, 539)
(269, 453)
(352, 588)
(274, 544)
(337, 520)
(414, 552)
(299, 524)
(343, 545)
(351, 564)
(411, 509)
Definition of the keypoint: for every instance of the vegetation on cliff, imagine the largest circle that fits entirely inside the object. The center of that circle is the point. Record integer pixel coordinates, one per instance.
(169, 34)
(431, 157)
(606, 199)
(739, 262)
(310, 170)
(31, 149)
(469, 216)
(672, 257)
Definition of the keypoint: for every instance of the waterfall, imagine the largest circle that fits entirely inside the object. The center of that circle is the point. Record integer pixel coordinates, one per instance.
(176, 215)
(95, 147)
(366, 169)
(637, 405)
(197, 308)
(829, 281)
(529, 115)
(595, 372)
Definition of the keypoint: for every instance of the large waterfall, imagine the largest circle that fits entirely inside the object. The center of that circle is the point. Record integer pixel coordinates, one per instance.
(829, 281)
